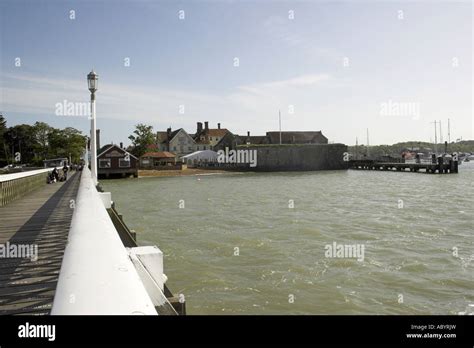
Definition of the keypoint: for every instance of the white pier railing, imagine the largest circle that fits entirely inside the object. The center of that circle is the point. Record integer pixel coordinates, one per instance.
(97, 274)
(15, 185)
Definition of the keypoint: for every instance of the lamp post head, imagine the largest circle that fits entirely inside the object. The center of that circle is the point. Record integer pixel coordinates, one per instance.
(93, 81)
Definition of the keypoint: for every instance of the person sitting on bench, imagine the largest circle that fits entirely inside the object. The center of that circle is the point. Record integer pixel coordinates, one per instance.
(55, 174)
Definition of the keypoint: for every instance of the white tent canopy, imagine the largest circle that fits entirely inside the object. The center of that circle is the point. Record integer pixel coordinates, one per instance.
(200, 156)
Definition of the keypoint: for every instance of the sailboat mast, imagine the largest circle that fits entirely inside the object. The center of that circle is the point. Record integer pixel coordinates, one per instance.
(449, 132)
(279, 120)
(436, 137)
(440, 133)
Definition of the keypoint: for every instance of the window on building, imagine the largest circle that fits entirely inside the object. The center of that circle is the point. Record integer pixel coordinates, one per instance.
(198, 148)
(124, 163)
(104, 163)
(190, 148)
(174, 148)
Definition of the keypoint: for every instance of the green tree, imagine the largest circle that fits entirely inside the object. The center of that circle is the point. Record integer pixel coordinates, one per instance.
(20, 140)
(3, 125)
(76, 143)
(142, 138)
(40, 141)
(66, 142)
(41, 134)
(3, 129)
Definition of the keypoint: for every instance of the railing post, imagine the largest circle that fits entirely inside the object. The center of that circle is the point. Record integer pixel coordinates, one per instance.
(440, 165)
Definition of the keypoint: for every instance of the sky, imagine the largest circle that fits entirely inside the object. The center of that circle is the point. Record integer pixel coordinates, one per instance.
(393, 67)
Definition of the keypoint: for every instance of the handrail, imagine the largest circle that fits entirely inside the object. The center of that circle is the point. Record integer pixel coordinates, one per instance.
(14, 176)
(15, 185)
(97, 275)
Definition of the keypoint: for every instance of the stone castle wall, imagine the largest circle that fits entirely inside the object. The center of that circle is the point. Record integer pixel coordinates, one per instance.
(298, 157)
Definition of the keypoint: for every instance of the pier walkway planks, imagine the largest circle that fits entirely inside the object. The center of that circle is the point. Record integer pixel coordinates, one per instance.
(41, 218)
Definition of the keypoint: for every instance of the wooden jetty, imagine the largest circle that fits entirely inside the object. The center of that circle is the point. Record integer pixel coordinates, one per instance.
(440, 166)
(41, 217)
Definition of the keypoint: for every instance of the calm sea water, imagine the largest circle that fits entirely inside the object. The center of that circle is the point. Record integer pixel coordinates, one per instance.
(237, 248)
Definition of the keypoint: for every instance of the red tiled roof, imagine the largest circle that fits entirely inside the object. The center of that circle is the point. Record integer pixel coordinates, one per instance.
(217, 132)
(214, 132)
(164, 154)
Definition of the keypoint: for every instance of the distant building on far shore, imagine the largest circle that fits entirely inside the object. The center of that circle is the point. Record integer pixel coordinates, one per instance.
(301, 137)
(207, 138)
(179, 142)
(115, 160)
(182, 143)
(287, 137)
(157, 160)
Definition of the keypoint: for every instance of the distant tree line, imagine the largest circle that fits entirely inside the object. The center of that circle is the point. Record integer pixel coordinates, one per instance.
(35, 143)
(395, 150)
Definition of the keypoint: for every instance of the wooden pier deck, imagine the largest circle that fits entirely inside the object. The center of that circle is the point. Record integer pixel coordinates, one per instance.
(41, 218)
(440, 168)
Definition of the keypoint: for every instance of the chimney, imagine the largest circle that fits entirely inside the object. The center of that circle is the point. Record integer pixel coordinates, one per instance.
(248, 133)
(199, 127)
(168, 133)
(97, 137)
(206, 125)
(121, 145)
(218, 126)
